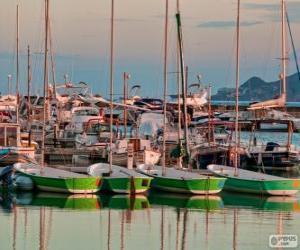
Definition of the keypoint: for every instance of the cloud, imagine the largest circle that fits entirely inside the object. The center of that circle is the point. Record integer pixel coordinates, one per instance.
(226, 24)
(293, 9)
(161, 16)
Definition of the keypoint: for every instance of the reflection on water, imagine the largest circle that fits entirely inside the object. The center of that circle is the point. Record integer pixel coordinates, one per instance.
(153, 221)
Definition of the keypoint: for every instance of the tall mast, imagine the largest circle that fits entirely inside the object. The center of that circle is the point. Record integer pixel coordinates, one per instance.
(178, 93)
(126, 76)
(210, 133)
(165, 83)
(45, 77)
(9, 76)
(111, 82)
(183, 82)
(283, 49)
(52, 61)
(28, 82)
(237, 80)
(18, 68)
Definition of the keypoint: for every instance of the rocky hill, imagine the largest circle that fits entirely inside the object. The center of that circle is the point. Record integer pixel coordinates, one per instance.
(256, 89)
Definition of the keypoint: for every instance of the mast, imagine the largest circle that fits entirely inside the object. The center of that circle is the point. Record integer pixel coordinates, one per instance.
(210, 131)
(45, 78)
(183, 82)
(179, 162)
(281, 101)
(283, 49)
(111, 82)
(18, 68)
(28, 82)
(237, 80)
(126, 76)
(9, 76)
(186, 71)
(165, 84)
(52, 61)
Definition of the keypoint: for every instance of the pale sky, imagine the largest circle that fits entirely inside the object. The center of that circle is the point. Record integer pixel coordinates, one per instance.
(81, 40)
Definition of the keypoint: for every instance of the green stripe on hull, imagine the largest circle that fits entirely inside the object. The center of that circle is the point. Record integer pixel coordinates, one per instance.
(125, 185)
(273, 187)
(191, 186)
(67, 185)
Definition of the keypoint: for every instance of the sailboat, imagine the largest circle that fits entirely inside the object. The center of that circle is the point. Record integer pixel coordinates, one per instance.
(117, 179)
(47, 178)
(241, 180)
(175, 179)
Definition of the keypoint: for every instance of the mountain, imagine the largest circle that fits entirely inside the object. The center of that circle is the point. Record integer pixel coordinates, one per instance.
(256, 89)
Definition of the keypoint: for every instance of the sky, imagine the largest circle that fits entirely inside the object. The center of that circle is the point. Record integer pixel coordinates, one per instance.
(81, 31)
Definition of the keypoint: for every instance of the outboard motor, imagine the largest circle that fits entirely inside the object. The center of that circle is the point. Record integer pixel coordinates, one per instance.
(6, 176)
(24, 183)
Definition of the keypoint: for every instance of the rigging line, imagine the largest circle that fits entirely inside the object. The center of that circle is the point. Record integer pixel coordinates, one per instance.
(52, 57)
(292, 41)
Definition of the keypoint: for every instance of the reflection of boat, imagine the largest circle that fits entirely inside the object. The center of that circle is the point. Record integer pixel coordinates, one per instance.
(74, 201)
(281, 203)
(123, 201)
(58, 200)
(6, 201)
(205, 202)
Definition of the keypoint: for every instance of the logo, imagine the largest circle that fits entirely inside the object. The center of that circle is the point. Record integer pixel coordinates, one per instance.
(283, 241)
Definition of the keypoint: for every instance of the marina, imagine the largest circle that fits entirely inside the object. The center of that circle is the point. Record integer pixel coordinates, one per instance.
(180, 169)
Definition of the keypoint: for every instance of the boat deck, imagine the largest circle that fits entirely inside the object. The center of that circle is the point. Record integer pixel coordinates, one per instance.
(34, 169)
(243, 174)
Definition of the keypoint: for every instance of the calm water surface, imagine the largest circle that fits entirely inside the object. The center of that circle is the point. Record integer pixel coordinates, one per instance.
(153, 221)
